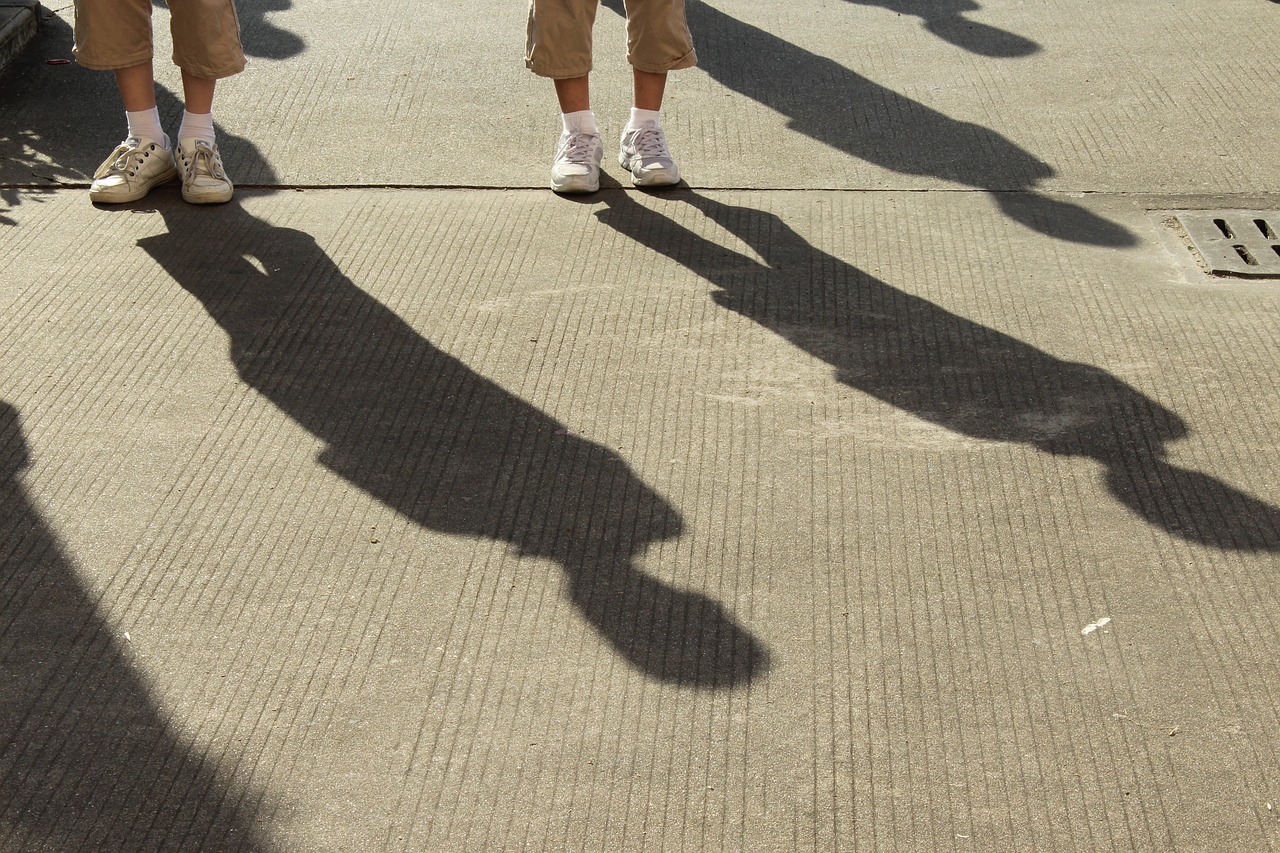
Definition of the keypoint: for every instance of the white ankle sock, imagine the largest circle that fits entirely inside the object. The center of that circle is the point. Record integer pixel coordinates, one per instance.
(583, 121)
(639, 117)
(196, 126)
(147, 123)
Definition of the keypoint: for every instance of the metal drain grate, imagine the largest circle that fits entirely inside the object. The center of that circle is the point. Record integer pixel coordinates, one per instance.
(1236, 242)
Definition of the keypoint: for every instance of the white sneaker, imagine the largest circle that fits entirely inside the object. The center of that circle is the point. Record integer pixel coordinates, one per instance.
(137, 165)
(204, 181)
(576, 168)
(644, 153)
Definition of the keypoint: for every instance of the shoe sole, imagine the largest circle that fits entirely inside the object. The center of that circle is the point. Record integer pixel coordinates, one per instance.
(132, 195)
(207, 198)
(655, 180)
(652, 179)
(572, 187)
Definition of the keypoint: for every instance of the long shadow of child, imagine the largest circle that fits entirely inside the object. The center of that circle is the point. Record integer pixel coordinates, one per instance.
(946, 20)
(424, 434)
(828, 102)
(88, 761)
(951, 371)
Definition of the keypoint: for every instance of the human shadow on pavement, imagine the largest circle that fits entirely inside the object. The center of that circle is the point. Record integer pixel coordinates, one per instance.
(950, 371)
(946, 20)
(87, 758)
(430, 438)
(831, 104)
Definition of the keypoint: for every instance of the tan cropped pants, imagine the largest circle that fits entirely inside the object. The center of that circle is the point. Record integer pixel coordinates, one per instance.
(113, 34)
(559, 44)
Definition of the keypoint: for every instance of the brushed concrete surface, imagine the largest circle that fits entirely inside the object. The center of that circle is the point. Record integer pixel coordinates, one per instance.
(921, 497)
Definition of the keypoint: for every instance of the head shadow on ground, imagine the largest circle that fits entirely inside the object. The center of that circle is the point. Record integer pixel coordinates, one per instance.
(88, 760)
(450, 450)
(829, 103)
(946, 20)
(943, 368)
(62, 120)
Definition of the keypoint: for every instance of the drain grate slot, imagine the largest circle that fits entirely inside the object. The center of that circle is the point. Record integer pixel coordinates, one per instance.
(1235, 242)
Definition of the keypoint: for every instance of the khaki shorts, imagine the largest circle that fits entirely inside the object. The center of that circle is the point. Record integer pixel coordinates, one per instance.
(113, 34)
(559, 45)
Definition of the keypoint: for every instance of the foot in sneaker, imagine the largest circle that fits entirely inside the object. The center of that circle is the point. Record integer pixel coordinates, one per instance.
(644, 153)
(576, 168)
(137, 165)
(204, 181)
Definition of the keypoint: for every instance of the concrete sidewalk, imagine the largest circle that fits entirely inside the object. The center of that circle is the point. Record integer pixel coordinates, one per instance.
(905, 483)
(19, 21)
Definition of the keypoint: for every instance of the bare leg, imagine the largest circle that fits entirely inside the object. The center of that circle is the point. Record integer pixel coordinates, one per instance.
(648, 89)
(137, 87)
(574, 94)
(198, 93)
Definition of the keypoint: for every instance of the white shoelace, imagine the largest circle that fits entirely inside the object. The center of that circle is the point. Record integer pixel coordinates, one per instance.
(125, 159)
(651, 144)
(577, 149)
(204, 163)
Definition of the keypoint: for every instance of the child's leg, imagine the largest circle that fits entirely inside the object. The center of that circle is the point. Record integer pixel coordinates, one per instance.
(115, 35)
(643, 150)
(137, 87)
(658, 38)
(559, 47)
(559, 38)
(206, 38)
(574, 94)
(138, 92)
(197, 118)
(206, 46)
(197, 92)
(658, 41)
(647, 88)
(576, 166)
(204, 179)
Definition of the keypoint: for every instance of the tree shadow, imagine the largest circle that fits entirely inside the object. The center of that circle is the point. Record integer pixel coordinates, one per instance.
(61, 120)
(421, 432)
(831, 104)
(946, 20)
(87, 758)
(950, 371)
